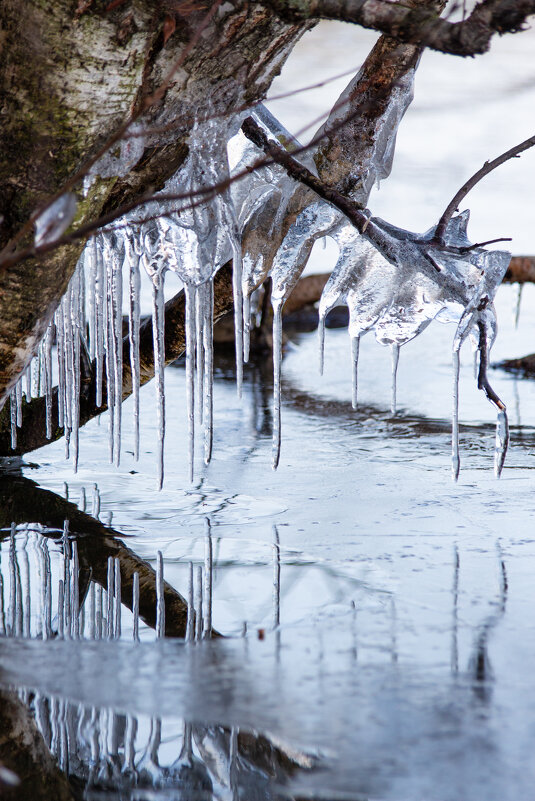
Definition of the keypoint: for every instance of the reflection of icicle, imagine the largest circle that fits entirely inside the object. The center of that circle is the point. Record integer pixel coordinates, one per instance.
(118, 601)
(276, 578)
(395, 362)
(160, 599)
(190, 624)
(455, 461)
(75, 592)
(110, 589)
(517, 305)
(355, 344)
(198, 606)
(135, 605)
(208, 567)
(277, 359)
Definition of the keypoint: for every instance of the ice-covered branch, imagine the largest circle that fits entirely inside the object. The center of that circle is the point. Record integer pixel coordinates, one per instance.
(421, 26)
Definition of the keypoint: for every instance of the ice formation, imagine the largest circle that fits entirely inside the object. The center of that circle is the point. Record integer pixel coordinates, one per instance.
(393, 282)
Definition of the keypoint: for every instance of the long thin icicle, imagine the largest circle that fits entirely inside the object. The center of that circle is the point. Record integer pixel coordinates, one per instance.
(190, 373)
(277, 360)
(455, 460)
(159, 365)
(208, 344)
(355, 346)
(395, 362)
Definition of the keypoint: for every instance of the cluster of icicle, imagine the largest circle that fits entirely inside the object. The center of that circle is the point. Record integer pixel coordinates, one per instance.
(397, 297)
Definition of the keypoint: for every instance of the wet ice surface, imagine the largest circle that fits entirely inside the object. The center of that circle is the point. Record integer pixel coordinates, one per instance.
(426, 677)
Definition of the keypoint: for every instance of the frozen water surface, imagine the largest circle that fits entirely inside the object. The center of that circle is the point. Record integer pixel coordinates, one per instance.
(400, 665)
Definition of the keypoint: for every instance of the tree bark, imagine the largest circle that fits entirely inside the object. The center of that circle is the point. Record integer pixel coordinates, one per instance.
(90, 72)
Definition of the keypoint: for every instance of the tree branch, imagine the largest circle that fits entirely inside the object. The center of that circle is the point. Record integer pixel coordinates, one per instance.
(419, 26)
(487, 167)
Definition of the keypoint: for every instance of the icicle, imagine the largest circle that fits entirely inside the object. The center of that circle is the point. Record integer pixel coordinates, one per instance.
(239, 309)
(118, 601)
(27, 594)
(321, 339)
(12, 610)
(109, 337)
(208, 569)
(190, 624)
(83, 501)
(518, 302)
(117, 343)
(28, 375)
(355, 345)
(208, 344)
(100, 319)
(198, 606)
(277, 359)
(246, 302)
(60, 343)
(190, 373)
(18, 395)
(455, 461)
(75, 632)
(91, 261)
(158, 319)
(61, 610)
(160, 600)
(13, 417)
(110, 589)
(199, 348)
(395, 361)
(134, 317)
(47, 362)
(48, 592)
(502, 442)
(77, 327)
(135, 605)
(69, 366)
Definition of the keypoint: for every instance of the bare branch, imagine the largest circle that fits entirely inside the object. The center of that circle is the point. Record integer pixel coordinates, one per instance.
(487, 167)
(421, 26)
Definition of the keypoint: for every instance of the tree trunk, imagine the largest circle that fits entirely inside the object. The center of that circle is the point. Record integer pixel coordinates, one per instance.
(70, 77)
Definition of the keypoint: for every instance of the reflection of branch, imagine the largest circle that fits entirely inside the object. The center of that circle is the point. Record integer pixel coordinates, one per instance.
(418, 26)
(21, 501)
(487, 167)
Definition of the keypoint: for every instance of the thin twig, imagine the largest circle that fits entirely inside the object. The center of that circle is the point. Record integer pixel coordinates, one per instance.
(487, 167)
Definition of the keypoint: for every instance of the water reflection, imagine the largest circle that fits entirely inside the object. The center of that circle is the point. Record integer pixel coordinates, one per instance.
(203, 720)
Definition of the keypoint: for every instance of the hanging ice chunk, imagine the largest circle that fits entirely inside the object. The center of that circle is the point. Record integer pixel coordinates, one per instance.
(55, 220)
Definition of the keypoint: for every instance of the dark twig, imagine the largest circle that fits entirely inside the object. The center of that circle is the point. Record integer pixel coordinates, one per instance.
(482, 379)
(487, 167)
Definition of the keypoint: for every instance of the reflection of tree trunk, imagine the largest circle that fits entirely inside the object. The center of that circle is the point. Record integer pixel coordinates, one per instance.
(23, 751)
(22, 501)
